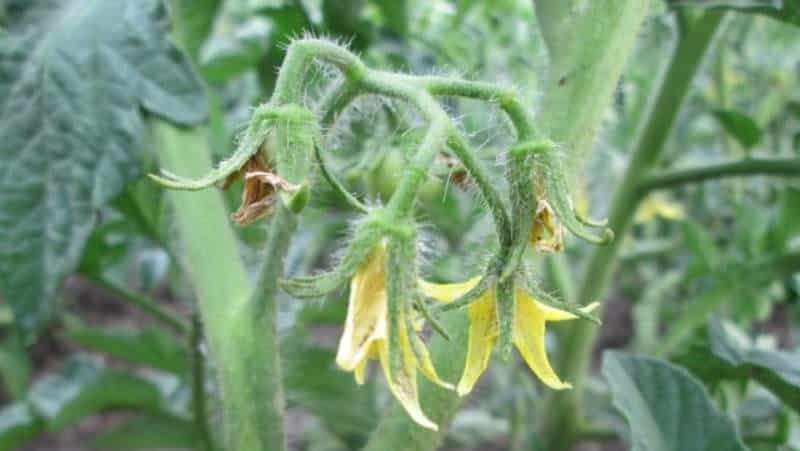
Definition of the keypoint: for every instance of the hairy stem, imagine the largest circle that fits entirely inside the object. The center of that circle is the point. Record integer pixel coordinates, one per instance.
(198, 364)
(239, 325)
(564, 407)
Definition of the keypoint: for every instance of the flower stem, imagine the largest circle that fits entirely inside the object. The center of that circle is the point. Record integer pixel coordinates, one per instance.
(560, 428)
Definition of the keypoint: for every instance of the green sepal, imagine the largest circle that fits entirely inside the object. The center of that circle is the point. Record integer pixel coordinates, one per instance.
(548, 299)
(296, 200)
(548, 166)
(426, 313)
(290, 144)
(400, 282)
(364, 241)
(506, 309)
(489, 278)
(313, 286)
(523, 204)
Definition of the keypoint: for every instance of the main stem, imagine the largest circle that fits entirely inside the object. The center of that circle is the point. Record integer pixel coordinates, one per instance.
(239, 322)
(564, 409)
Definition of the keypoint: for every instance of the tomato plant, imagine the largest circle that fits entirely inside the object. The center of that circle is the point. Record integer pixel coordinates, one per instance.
(547, 223)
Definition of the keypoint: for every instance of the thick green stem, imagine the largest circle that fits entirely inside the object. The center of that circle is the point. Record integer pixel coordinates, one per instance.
(198, 364)
(746, 167)
(239, 325)
(564, 407)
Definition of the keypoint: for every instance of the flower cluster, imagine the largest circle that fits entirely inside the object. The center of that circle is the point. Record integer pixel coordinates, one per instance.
(388, 300)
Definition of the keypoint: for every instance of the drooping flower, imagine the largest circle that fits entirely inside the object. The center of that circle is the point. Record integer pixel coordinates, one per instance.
(366, 336)
(528, 336)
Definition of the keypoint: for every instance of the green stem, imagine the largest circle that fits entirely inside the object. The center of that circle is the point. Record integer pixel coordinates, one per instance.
(564, 407)
(745, 167)
(493, 200)
(239, 325)
(148, 305)
(198, 364)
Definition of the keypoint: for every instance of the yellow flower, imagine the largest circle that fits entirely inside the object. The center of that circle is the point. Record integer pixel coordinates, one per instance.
(658, 205)
(366, 333)
(528, 336)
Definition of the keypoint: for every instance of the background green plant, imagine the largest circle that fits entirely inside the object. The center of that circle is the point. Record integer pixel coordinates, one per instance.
(710, 299)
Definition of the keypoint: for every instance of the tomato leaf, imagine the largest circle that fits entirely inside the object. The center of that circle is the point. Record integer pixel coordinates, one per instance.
(666, 407)
(740, 126)
(18, 424)
(150, 432)
(83, 387)
(730, 354)
(74, 79)
(150, 346)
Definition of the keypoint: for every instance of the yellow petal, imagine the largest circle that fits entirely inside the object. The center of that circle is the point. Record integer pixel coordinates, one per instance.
(404, 384)
(658, 205)
(366, 312)
(482, 337)
(425, 363)
(551, 313)
(447, 292)
(529, 338)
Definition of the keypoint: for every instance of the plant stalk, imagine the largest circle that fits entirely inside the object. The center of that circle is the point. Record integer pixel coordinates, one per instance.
(198, 365)
(239, 322)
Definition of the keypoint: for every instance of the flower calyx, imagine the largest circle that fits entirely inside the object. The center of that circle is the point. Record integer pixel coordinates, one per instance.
(273, 158)
(553, 207)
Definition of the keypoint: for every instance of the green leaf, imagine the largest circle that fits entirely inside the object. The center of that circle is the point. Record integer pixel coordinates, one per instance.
(313, 382)
(15, 367)
(786, 225)
(83, 387)
(17, 425)
(228, 55)
(667, 409)
(740, 126)
(193, 20)
(151, 346)
(74, 78)
(701, 243)
(395, 15)
(783, 10)
(149, 433)
(731, 355)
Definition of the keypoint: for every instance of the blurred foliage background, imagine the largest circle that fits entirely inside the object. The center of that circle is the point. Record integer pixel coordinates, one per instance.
(708, 279)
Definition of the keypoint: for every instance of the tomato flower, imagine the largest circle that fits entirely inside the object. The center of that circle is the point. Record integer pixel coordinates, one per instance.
(528, 336)
(366, 336)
